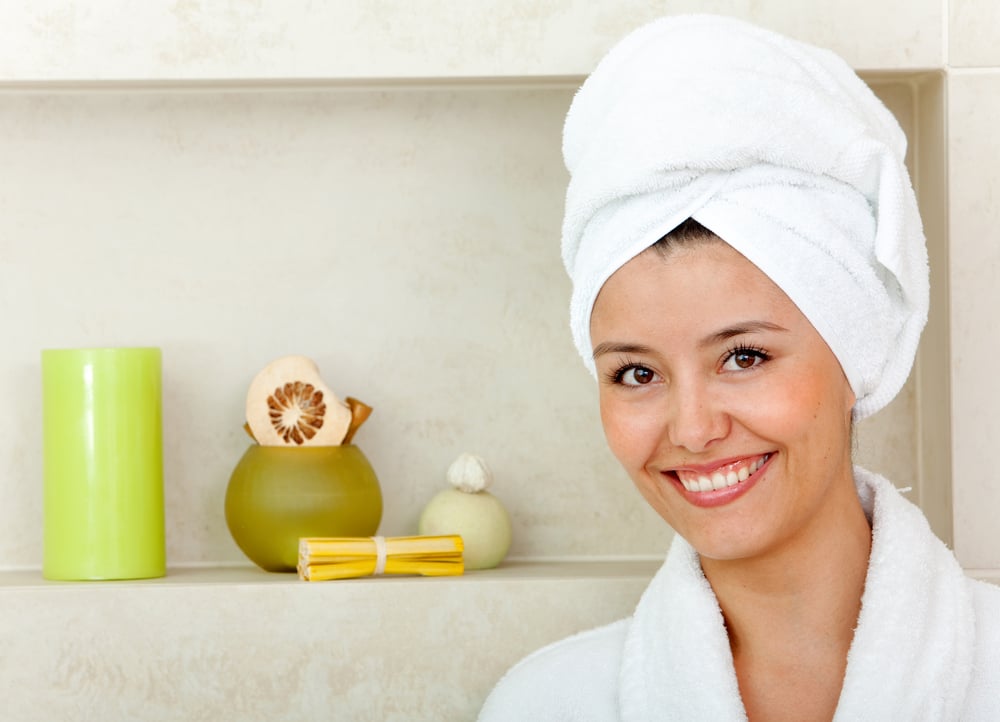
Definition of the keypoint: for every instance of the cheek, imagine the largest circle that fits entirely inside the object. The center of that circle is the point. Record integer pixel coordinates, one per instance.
(806, 405)
(631, 430)
(616, 425)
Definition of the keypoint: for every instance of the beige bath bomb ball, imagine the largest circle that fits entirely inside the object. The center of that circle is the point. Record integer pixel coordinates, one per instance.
(470, 511)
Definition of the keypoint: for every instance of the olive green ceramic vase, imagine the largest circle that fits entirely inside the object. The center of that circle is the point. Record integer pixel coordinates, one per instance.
(277, 495)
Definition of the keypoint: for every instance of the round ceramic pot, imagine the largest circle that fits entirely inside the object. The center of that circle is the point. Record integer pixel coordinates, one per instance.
(278, 494)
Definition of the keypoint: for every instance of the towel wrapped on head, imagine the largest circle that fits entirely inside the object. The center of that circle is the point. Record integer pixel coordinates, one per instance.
(775, 146)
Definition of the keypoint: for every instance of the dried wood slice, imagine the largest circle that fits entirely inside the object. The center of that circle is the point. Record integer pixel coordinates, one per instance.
(288, 404)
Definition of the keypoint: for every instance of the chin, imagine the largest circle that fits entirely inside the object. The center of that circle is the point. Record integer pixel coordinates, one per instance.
(722, 550)
(724, 541)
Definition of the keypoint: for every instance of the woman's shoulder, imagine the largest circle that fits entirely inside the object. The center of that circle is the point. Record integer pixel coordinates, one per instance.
(573, 679)
(986, 594)
(986, 598)
(986, 601)
(984, 691)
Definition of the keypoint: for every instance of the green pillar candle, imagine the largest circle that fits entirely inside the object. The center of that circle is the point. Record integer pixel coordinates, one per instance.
(103, 464)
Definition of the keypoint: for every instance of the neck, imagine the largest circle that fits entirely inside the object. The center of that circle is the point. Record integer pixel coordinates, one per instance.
(791, 612)
(806, 594)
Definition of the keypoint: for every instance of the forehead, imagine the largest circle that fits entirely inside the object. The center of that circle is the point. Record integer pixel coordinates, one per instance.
(697, 285)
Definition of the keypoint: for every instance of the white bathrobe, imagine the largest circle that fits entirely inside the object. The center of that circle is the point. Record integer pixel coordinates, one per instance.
(927, 644)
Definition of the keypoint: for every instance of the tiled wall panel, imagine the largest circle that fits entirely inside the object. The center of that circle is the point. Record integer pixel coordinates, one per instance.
(973, 33)
(974, 116)
(200, 39)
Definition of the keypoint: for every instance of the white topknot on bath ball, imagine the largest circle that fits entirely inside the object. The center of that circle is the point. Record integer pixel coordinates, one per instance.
(469, 473)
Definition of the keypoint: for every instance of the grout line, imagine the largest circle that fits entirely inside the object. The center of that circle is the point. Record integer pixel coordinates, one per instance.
(991, 70)
(588, 559)
(284, 85)
(245, 564)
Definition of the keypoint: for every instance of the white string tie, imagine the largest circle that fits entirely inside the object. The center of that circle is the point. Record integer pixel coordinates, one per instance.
(380, 554)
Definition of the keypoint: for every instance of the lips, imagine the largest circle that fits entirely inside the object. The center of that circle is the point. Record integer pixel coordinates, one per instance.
(720, 484)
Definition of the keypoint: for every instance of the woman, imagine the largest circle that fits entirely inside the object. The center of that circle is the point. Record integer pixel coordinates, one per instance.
(749, 279)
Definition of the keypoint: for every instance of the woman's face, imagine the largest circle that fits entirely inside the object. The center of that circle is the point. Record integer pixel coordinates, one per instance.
(726, 407)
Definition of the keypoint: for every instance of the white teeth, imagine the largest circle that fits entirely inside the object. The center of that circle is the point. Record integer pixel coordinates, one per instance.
(720, 480)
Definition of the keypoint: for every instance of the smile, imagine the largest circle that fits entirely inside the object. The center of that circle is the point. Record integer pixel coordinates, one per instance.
(721, 477)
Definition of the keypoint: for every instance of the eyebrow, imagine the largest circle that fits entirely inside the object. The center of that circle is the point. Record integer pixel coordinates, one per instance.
(616, 347)
(725, 334)
(740, 329)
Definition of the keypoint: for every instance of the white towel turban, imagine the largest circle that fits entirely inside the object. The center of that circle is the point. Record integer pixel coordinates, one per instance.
(778, 148)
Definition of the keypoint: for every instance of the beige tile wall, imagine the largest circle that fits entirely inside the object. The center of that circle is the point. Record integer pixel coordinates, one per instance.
(974, 119)
(169, 40)
(407, 240)
(972, 33)
(100, 207)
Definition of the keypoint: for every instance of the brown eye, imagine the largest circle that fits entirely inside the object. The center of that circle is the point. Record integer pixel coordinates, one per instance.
(642, 376)
(636, 376)
(743, 359)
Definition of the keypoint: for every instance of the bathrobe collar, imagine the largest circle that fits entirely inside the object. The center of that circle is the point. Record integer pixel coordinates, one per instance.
(913, 648)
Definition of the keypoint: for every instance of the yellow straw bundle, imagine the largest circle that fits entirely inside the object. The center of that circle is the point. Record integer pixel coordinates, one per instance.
(324, 558)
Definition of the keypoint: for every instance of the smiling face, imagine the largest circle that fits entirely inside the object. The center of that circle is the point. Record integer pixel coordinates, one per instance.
(725, 406)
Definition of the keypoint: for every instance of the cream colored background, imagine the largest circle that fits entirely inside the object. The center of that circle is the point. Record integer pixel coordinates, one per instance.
(407, 240)
(378, 185)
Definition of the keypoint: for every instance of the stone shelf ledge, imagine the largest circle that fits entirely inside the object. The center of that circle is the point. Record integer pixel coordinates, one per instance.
(239, 643)
(247, 575)
(208, 643)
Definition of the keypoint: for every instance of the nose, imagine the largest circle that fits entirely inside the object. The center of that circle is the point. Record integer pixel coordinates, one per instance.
(695, 417)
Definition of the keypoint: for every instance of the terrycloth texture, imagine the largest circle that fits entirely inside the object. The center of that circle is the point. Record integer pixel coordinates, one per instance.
(927, 644)
(911, 658)
(781, 150)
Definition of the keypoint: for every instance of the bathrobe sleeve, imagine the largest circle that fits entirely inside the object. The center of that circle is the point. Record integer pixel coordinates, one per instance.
(983, 700)
(573, 680)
